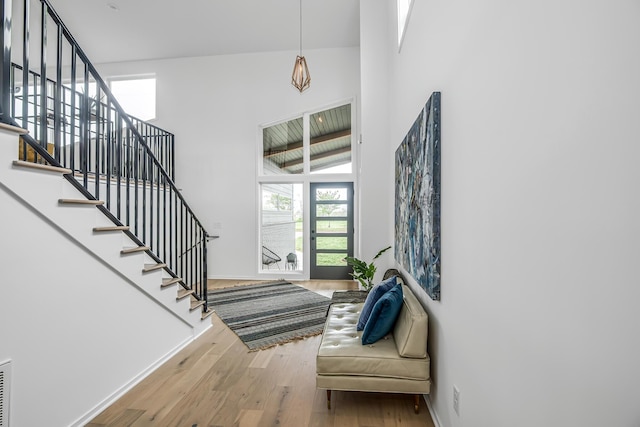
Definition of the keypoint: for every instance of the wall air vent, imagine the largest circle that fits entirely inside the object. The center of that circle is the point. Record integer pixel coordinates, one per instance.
(5, 387)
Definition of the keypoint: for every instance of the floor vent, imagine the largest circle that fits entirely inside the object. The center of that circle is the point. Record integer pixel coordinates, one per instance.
(5, 383)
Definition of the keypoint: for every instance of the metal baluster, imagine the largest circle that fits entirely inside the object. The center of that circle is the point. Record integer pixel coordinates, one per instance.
(144, 196)
(25, 72)
(183, 261)
(109, 157)
(84, 129)
(171, 237)
(127, 178)
(6, 7)
(151, 169)
(74, 94)
(164, 217)
(118, 164)
(43, 78)
(158, 209)
(204, 271)
(57, 116)
(63, 156)
(173, 159)
(191, 245)
(136, 159)
(98, 139)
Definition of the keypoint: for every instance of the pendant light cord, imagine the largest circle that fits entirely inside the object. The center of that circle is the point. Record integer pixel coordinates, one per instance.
(300, 27)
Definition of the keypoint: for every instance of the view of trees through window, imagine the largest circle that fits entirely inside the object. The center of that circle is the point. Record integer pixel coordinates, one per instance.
(330, 225)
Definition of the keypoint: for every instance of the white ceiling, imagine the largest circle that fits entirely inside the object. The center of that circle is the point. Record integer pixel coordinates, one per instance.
(152, 29)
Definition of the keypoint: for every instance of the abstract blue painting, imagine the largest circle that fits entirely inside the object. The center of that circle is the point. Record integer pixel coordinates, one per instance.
(417, 204)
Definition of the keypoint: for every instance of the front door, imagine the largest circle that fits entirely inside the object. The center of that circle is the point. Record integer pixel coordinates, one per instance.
(331, 230)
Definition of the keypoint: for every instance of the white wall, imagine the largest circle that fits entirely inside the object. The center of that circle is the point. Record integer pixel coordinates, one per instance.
(540, 204)
(214, 106)
(376, 170)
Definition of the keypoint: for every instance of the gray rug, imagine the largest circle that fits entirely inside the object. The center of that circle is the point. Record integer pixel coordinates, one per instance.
(267, 314)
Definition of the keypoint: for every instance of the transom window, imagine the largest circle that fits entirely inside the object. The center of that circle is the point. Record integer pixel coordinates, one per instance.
(284, 149)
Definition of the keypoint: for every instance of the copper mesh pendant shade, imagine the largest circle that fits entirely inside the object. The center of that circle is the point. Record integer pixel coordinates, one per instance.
(300, 77)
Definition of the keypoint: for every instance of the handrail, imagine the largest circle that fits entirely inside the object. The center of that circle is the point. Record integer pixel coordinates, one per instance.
(108, 150)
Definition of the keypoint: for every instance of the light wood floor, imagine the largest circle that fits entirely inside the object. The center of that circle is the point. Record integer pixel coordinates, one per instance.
(216, 381)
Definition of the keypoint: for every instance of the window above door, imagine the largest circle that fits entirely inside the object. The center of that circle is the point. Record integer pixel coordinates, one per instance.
(286, 148)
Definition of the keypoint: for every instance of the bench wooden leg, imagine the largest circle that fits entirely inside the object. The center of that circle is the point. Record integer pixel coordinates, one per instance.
(328, 399)
(416, 402)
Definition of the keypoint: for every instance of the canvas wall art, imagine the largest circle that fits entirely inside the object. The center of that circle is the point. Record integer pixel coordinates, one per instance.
(417, 199)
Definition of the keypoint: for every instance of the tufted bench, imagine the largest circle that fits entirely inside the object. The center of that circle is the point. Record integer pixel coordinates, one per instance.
(398, 363)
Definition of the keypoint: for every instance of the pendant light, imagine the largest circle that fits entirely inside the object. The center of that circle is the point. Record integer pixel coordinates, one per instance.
(301, 78)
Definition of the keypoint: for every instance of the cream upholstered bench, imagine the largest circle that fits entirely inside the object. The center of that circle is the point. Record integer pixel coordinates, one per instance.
(398, 363)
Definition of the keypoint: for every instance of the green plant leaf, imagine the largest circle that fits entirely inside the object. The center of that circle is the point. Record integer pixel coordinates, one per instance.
(381, 252)
(363, 272)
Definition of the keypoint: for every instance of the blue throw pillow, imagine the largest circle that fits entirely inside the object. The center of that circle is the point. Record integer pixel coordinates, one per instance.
(374, 295)
(383, 316)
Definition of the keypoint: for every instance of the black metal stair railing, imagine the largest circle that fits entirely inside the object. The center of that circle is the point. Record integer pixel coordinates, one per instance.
(25, 109)
(74, 121)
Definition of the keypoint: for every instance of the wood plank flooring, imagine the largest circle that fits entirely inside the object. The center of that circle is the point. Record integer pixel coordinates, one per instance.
(216, 381)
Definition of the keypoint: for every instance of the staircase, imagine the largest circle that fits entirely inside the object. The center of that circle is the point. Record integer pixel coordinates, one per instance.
(78, 217)
(102, 180)
(122, 166)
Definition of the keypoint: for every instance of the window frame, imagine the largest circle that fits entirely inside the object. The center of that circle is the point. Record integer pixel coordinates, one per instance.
(305, 178)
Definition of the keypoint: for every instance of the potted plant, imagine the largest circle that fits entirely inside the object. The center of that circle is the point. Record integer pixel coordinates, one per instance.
(363, 272)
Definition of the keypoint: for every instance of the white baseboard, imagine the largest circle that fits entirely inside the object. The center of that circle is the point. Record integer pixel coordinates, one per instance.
(83, 420)
(432, 412)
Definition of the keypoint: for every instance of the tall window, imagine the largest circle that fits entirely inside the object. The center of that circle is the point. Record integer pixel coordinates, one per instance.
(404, 10)
(313, 146)
(281, 225)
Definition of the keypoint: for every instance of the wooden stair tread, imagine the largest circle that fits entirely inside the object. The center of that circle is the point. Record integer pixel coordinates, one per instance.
(152, 267)
(16, 129)
(170, 281)
(183, 293)
(207, 313)
(112, 228)
(81, 202)
(39, 166)
(196, 304)
(135, 249)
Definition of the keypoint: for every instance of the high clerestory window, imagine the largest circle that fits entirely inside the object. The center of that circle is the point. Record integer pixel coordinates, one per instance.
(404, 10)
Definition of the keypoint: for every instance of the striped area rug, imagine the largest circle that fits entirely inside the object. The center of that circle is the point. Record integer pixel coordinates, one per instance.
(267, 314)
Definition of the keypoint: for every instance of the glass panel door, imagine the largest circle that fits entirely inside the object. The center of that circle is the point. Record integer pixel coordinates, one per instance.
(331, 229)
